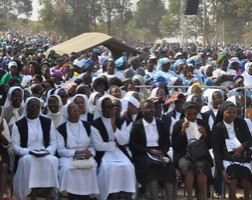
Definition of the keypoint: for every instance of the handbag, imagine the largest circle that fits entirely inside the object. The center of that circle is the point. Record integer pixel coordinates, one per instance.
(197, 149)
(245, 157)
(82, 163)
(158, 160)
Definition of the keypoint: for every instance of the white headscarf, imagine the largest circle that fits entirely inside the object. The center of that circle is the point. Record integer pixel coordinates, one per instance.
(8, 101)
(59, 99)
(91, 101)
(98, 109)
(189, 98)
(26, 105)
(85, 99)
(153, 93)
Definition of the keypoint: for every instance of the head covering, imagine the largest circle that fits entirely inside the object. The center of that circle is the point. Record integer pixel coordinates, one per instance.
(139, 78)
(57, 73)
(119, 62)
(233, 60)
(59, 100)
(64, 114)
(232, 99)
(78, 63)
(26, 105)
(172, 81)
(236, 79)
(189, 104)
(153, 93)
(8, 101)
(88, 64)
(177, 54)
(98, 109)
(189, 97)
(222, 57)
(91, 101)
(222, 108)
(171, 101)
(132, 100)
(84, 97)
(209, 96)
(12, 63)
(162, 61)
(177, 63)
(102, 59)
(247, 66)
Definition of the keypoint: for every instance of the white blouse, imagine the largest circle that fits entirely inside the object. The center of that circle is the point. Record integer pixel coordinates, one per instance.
(151, 133)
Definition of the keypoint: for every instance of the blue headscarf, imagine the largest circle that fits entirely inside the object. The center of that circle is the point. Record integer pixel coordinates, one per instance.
(119, 62)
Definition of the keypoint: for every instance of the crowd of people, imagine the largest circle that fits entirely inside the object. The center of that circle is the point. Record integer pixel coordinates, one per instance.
(98, 127)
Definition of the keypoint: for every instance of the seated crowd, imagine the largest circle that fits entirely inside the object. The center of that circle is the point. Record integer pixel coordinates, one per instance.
(96, 127)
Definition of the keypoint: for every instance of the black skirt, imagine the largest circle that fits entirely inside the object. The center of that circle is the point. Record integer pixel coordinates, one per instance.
(146, 172)
(236, 171)
(4, 155)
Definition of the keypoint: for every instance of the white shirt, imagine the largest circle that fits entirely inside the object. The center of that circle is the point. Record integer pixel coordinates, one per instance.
(230, 130)
(151, 133)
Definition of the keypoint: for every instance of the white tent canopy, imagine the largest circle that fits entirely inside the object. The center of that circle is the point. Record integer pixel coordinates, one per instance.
(86, 41)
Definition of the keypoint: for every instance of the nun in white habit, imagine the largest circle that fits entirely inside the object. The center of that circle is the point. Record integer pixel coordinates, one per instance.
(82, 101)
(34, 141)
(74, 140)
(116, 172)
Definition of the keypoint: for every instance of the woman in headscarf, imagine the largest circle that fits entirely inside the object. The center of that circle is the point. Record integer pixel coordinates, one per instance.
(215, 98)
(238, 82)
(115, 171)
(92, 101)
(109, 70)
(13, 106)
(62, 92)
(55, 106)
(247, 74)
(13, 73)
(74, 140)
(34, 142)
(184, 131)
(82, 101)
(230, 129)
(224, 74)
(149, 137)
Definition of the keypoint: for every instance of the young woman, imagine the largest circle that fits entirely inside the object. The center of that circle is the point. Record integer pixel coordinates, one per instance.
(149, 136)
(184, 131)
(74, 140)
(230, 129)
(115, 172)
(34, 142)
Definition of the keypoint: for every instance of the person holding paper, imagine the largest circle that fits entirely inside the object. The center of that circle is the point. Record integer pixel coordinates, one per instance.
(231, 135)
(184, 130)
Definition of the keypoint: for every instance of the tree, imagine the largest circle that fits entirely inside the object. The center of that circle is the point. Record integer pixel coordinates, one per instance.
(17, 7)
(148, 15)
